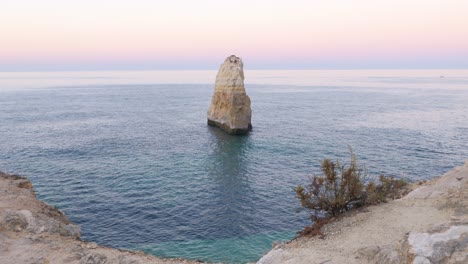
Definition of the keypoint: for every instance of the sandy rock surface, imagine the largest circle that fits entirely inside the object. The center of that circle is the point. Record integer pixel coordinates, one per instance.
(429, 225)
(230, 105)
(34, 232)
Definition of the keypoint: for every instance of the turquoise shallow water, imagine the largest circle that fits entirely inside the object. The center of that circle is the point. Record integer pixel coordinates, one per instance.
(134, 163)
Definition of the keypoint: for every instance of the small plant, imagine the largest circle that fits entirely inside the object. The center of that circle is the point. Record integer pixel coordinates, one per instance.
(388, 188)
(342, 187)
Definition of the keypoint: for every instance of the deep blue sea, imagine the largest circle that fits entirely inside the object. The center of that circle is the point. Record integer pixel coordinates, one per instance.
(129, 157)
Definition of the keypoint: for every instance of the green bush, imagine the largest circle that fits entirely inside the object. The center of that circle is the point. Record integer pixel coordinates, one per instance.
(342, 187)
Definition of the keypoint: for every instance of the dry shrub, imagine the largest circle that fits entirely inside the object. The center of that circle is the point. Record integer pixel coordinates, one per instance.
(387, 188)
(342, 187)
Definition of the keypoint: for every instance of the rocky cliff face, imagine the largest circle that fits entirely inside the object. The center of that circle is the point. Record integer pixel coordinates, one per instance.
(429, 225)
(230, 105)
(34, 232)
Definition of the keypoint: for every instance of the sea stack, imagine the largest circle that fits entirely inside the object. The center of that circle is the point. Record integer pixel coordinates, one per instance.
(230, 104)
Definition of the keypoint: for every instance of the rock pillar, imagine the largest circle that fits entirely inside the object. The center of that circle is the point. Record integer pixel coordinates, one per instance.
(230, 105)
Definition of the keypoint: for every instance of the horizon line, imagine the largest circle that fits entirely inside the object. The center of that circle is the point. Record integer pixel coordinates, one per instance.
(245, 69)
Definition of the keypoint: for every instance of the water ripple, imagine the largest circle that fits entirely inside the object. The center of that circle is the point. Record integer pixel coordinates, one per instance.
(138, 168)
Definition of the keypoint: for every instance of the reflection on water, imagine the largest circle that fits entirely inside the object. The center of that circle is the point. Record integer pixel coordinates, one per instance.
(230, 173)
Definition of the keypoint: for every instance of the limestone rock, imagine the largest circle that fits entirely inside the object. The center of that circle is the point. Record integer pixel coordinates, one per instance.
(387, 254)
(230, 105)
(429, 225)
(446, 246)
(34, 232)
(93, 258)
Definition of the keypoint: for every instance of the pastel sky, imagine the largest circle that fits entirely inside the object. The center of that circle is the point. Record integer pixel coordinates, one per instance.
(199, 34)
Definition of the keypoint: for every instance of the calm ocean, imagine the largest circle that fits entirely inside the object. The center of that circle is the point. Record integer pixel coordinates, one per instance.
(129, 157)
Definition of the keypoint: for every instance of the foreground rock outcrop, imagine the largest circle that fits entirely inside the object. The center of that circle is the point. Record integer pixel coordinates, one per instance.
(429, 225)
(34, 232)
(230, 105)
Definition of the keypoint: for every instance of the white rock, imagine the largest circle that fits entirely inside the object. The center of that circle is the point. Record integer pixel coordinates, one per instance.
(230, 105)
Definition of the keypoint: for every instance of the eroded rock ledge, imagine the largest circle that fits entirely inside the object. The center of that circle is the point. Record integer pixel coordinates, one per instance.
(34, 232)
(429, 225)
(230, 104)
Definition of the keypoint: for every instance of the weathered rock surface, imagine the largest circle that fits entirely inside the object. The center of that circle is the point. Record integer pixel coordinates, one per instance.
(32, 231)
(429, 225)
(440, 246)
(230, 105)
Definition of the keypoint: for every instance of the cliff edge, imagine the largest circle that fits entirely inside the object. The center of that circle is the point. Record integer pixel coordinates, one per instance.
(34, 232)
(429, 225)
